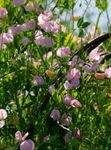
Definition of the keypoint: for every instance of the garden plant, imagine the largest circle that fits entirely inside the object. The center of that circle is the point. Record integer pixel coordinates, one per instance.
(55, 76)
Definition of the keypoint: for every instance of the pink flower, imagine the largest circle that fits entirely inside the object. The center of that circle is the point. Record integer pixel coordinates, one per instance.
(66, 120)
(67, 98)
(38, 80)
(18, 2)
(7, 37)
(43, 18)
(30, 25)
(43, 41)
(55, 114)
(68, 85)
(75, 103)
(15, 30)
(94, 55)
(74, 60)
(18, 136)
(3, 12)
(77, 133)
(67, 137)
(108, 72)
(70, 101)
(27, 145)
(2, 123)
(3, 114)
(75, 82)
(63, 52)
(73, 74)
(31, 6)
(25, 41)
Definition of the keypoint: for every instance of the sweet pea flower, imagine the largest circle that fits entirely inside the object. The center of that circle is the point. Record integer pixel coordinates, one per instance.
(75, 103)
(75, 82)
(55, 114)
(38, 80)
(66, 120)
(73, 74)
(30, 25)
(27, 145)
(67, 137)
(18, 136)
(15, 29)
(74, 60)
(31, 6)
(25, 41)
(2, 123)
(45, 17)
(77, 133)
(63, 52)
(43, 41)
(94, 55)
(67, 98)
(3, 116)
(7, 37)
(67, 85)
(71, 101)
(18, 2)
(3, 12)
(108, 72)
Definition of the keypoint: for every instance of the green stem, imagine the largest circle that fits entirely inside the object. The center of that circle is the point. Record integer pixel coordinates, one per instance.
(97, 22)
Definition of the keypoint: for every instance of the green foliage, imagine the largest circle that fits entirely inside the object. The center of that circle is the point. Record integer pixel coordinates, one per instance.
(102, 4)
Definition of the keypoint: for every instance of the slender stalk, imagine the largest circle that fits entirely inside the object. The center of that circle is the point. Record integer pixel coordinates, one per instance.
(97, 22)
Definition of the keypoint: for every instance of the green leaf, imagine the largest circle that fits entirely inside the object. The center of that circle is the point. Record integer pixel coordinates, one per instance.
(85, 24)
(80, 22)
(102, 4)
(81, 32)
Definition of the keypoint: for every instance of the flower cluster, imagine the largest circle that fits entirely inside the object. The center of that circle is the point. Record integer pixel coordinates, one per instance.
(25, 144)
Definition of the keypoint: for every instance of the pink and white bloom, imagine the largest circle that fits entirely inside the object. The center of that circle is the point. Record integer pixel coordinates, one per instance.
(15, 29)
(71, 101)
(43, 41)
(18, 2)
(25, 41)
(27, 145)
(108, 72)
(68, 85)
(55, 114)
(3, 114)
(66, 120)
(2, 123)
(63, 52)
(18, 136)
(3, 12)
(30, 25)
(94, 55)
(38, 80)
(77, 133)
(73, 74)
